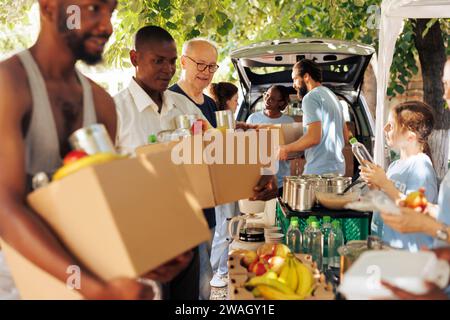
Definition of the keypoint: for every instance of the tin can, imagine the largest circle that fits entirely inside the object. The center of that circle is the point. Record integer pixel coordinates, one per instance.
(92, 139)
(186, 121)
(225, 119)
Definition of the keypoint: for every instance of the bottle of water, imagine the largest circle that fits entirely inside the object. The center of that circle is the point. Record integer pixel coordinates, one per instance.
(360, 152)
(306, 234)
(335, 240)
(316, 244)
(326, 229)
(294, 236)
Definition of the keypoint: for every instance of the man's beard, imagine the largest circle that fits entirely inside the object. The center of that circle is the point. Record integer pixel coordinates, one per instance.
(76, 41)
(302, 91)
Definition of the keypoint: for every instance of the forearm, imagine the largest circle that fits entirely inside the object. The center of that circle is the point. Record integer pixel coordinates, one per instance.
(32, 238)
(389, 188)
(301, 144)
(432, 226)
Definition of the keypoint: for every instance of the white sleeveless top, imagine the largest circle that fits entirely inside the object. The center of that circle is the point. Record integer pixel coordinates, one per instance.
(41, 141)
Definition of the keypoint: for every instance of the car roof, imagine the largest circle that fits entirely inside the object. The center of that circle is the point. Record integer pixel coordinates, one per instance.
(298, 45)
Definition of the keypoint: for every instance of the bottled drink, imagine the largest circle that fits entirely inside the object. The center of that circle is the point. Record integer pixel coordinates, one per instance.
(316, 244)
(326, 229)
(335, 240)
(152, 139)
(306, 233)
(294, 236)
(360, 152)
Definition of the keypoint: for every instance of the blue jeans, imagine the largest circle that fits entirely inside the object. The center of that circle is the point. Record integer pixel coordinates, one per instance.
(206, 272)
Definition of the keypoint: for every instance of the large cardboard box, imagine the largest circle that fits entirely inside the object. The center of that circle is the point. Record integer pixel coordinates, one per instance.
(222, 170)
(288, 132)
(125, 217)
(34, 283)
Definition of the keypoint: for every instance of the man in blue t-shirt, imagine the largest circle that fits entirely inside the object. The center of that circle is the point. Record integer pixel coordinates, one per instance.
(325, 131)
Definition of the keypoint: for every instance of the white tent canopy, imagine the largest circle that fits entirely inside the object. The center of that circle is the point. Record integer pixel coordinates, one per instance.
(393, 13)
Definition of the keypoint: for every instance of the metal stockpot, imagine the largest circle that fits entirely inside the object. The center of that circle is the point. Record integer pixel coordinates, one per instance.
(303, 195)
(290, 191)
(286, 186)
(338, 184)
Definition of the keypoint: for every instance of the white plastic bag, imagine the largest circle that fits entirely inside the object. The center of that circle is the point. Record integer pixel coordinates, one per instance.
(375, 200)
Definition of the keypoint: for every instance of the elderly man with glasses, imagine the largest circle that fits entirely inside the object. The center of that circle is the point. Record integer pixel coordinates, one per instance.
(198, 66)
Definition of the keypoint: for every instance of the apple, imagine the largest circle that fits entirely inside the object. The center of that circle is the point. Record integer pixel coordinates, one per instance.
(200, 126)
(276, 263)
(417, 200)
(266, 257)
(249, 257)
(281, 250)
(252, 266)
(73, 156)
(260, 268)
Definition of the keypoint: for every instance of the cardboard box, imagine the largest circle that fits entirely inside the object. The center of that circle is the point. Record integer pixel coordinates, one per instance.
(228, 175)
(34, 283)
(125, 217)
(289, 132)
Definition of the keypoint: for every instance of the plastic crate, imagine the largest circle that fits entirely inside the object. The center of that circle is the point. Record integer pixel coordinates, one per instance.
(355, 225)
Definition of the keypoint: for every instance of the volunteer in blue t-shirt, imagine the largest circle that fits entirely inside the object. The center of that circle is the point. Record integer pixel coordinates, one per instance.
(276, 100)
(407, 132)
(325, 132)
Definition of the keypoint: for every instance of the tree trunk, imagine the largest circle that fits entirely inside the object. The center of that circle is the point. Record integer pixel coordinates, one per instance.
(432, 60)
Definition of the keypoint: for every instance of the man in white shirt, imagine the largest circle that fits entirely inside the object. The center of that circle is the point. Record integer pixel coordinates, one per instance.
(146, 107)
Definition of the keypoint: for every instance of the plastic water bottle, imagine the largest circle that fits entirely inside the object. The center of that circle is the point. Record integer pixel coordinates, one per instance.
(306, 234)
(326, 229)
(360, 152)
(335, 240)
(152, 139)
(316, 244)
(294, 236)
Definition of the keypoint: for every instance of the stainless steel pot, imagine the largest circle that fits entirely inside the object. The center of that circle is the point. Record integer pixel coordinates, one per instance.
(286, 186)
(338, 184)
(290, 193)
(303, 195)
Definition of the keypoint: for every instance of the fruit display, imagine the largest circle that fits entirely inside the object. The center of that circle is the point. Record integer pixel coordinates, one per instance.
(417, 200)
(72, 166)
(274, 273)
(295, 282)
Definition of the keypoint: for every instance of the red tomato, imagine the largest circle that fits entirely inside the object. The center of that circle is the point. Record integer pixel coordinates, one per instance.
(73, 156)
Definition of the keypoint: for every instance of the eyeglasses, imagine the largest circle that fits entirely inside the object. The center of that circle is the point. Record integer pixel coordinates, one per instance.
(202, 66)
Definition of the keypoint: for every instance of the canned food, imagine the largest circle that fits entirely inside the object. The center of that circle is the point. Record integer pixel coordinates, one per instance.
(186, 121)
(92, 139)
(225, 119)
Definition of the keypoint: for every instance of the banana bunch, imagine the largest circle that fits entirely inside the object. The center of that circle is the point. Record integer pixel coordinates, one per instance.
(84, 162)
(296, 282)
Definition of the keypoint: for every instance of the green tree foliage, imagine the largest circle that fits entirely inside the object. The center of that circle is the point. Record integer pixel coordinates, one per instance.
(235, 23)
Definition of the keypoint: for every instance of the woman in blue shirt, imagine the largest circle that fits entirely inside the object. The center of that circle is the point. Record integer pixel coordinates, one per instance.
(276, 100)
(407, 131)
